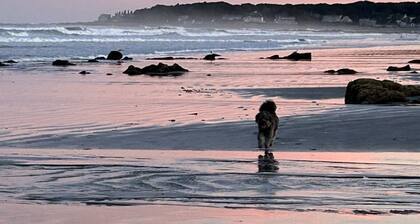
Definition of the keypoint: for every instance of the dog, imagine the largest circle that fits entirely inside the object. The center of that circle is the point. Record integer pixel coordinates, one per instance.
(268, 123)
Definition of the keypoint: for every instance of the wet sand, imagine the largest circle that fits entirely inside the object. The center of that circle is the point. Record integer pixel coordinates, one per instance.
(55, 124)
(179, 214)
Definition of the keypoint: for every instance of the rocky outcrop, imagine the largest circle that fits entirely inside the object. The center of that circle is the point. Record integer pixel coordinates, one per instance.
(398, 69)
(114, 55)
(371, 91)
(157, 70)
(62, 63)
(343, 71)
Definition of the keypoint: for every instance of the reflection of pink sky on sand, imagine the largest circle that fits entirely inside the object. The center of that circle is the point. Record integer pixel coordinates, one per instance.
(69, 214)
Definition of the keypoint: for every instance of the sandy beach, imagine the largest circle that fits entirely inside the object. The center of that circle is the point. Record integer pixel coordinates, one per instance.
(130, 149)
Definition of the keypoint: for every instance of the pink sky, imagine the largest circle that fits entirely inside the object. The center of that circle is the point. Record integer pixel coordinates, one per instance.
(35, 11)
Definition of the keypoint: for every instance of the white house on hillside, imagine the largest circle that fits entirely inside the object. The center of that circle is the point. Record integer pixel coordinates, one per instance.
(254, 17)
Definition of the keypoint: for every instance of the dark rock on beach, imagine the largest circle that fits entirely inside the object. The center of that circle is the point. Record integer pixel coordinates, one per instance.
(114, 55)
(10, 62)
(397, 69)
(100, 58)
(414, 61)
(295, 56)
(157, 70)
(343, 71)
(84, 73)
(127, 58)
(2, 64)
(211, 57)
(133, 70)
(171, 58)
(62, 63)
(371, 91)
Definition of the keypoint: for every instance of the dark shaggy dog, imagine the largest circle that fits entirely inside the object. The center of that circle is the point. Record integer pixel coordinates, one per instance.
(268, 122)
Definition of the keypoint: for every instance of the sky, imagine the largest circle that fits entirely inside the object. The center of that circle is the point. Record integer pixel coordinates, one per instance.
(49, 11)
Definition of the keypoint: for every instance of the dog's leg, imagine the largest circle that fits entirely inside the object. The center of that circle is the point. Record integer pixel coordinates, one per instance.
(261, 140)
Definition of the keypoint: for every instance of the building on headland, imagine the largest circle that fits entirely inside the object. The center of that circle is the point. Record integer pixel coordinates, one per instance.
(254, 17)
(285, 20)
(406, 21)
(336, 19)
(232, 18)
(367, 22)
(104, 18)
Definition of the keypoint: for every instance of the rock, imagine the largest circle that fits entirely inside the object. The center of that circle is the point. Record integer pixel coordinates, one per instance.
(10, 62)
(163, 69)
(84, 73)
(114, 55)
(343, 71)
(397, 69)
(414, 61)
(171, 58)
(2, 64)
(274, 57)
(93, 61)
(414, 72)
(100, 58)
(162, 58)
(108, 74)
(62, 63)
(127, 58)
(211, 57)
(371, 91)
(132, 70)
(330, 72)
(157, 70)
(295, 56)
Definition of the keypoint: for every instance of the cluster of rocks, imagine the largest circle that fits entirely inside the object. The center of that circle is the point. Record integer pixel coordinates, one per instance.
(156, 70)
(371, 91)
(113, 55)
(295, 56)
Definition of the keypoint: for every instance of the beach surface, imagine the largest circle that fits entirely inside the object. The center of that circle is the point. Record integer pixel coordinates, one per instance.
(133, 148)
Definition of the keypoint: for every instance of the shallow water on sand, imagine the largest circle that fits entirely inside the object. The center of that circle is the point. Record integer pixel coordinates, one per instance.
(359, 183)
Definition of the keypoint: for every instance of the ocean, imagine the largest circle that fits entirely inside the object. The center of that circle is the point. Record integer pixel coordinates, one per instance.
(47, 42)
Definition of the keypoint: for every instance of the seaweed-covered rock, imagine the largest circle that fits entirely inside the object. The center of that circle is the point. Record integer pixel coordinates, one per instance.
(371, 91)
(157, 70)
(62, 63)
(114, 55)
(397, 69)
